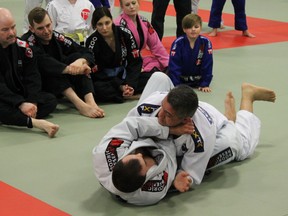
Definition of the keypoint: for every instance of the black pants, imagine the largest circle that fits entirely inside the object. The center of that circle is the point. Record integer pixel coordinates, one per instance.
(109, 90)
(182, 8)
(56, 84)
(13, 116)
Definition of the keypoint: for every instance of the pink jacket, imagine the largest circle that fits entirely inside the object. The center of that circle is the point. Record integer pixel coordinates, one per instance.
(159, 57)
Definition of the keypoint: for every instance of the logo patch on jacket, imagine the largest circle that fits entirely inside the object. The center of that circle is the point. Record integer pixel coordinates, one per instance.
(156, 185)
(150, 29)
(111, 152)
(135, 53)
(29, 52)
(85, 13)
(198, 141)
(147, 109)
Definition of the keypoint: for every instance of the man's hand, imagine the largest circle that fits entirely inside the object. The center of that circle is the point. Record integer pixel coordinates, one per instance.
(78, 67)
(182, 181)
(28, 109)
(185, 128)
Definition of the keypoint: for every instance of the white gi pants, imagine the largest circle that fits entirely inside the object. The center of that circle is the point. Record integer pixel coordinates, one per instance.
(236, 141)
(159, 81)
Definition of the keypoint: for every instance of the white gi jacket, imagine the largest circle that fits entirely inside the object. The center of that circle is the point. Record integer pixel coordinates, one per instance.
(197, 148)
(123, 139)
(216, 141)
(67, 18)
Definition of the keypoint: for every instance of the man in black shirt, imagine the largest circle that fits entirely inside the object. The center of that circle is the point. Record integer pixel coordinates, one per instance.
(64, 64)
(21, 101)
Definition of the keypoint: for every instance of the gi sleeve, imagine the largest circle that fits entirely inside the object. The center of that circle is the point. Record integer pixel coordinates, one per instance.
(156, 46)
(48, 64)
(133, 128)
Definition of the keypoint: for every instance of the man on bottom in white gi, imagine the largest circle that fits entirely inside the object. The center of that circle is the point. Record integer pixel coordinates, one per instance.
(144, 176)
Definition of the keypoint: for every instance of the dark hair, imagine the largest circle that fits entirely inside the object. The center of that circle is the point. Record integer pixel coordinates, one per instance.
(126, 176)
(98, 14)
(37, 15)
(183, 100)
(190, 20)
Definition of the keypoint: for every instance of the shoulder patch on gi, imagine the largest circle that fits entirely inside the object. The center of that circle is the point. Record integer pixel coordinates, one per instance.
(62, 39)
(150, 28)
(21, 43)
(147, 109)
(111, 152)
(198, 141)
(31, 40)
(24, 44)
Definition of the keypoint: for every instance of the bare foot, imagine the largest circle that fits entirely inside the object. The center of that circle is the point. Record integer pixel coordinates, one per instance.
(100, 112)
(213, 33)
(91, 102)
(90, 111)
(50, 128)
(257, 93)
(246, 33)
(230, 111)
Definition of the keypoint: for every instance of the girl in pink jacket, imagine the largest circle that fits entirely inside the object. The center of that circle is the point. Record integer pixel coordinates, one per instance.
(145, 36)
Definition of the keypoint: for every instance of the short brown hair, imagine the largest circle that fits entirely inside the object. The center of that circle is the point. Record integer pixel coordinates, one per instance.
(37, 15)
(190, 20)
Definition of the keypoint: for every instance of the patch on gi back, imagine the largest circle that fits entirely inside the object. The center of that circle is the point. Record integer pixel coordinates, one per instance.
(220, 157)
(156, 185)
(147, 109)
(198, 141)
(111, 152)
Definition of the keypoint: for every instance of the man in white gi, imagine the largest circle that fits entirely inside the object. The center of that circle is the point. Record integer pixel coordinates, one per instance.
(216, 139)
